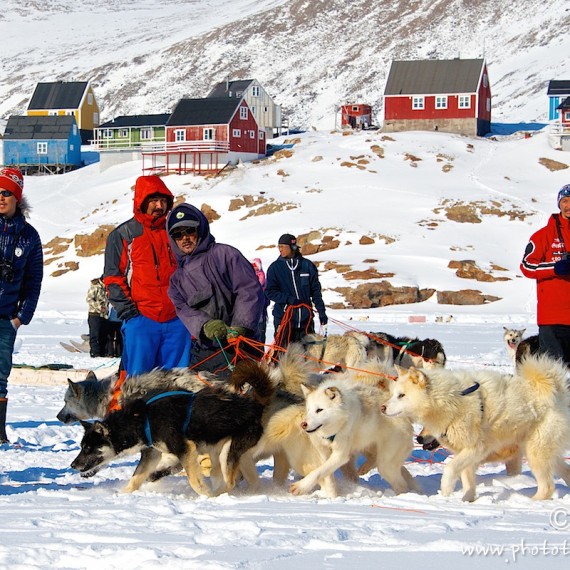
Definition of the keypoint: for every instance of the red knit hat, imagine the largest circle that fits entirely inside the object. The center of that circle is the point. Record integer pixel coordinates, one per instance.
(13, 180)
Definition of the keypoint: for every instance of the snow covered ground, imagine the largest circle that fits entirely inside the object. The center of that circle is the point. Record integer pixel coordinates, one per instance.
(52, 518)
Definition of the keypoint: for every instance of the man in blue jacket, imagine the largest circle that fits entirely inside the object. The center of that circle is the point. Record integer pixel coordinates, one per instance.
(21, 273)
(293, 281)
(215, 290)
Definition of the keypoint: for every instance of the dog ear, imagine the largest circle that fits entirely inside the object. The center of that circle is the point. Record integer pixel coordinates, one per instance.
(332, 392)
(417, 377)
(86, 425)
(101, 428)
(307, 389)
(91, 375)
(74, 387)
(400, 370)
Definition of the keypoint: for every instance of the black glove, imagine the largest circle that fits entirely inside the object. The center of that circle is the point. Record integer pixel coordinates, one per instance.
(562, 267)
(215, 329)
(323, 319)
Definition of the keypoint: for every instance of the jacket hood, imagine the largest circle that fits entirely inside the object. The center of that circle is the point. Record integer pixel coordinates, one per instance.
(205, 238)
(145, 186)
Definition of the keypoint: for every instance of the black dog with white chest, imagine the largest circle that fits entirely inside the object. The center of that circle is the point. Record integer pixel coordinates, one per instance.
(181, 423)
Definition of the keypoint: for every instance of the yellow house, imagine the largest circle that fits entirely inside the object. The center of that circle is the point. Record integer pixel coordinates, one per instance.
(67, 98)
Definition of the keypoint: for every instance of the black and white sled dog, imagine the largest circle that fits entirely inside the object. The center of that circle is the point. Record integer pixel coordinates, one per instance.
(405, 351)
(215, 419)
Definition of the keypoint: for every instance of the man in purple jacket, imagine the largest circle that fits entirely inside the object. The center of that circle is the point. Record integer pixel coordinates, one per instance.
(215, 290)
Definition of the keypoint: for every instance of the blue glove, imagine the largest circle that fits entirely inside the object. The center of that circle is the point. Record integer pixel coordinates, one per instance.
(562, 267)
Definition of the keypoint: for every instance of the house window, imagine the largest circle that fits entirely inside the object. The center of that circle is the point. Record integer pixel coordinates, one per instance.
(70, 113)
(417, 103)
(255, 91)
(124, 133)
(71, 147)
(265, 109)
(464, 102)
(243, 113)
(52, 113)
(42, 148)
(441, 102)
(251, 134)
(179, 135)
(485, 81)
(236, 133)
(488, 104)
(239, 94)
(355, 108)
(261, 135)
(567, 116)
(107, 133)
(95, 119)
(74, 130)
(208, 135)
(146, 134)
(90, 98)
(253, 110)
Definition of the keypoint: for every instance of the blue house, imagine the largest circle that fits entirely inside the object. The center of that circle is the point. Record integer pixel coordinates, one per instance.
(558, 91)
(50, 144)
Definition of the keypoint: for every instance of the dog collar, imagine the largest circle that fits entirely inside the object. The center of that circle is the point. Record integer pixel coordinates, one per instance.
(470, 390)
(191, 395)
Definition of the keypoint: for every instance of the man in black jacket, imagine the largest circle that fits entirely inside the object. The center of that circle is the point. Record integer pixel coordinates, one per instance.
(293, 281)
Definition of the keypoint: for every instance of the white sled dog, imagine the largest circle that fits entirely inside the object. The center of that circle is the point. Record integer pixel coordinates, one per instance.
(343, 417)
(347, 350)
(482, 412)
(512, 338)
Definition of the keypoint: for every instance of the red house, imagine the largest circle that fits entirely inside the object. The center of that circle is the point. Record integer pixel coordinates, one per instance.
(356, 116)
(446, 95)
(204, 135)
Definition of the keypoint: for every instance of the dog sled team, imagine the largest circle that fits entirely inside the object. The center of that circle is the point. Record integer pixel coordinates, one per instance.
(314, 421)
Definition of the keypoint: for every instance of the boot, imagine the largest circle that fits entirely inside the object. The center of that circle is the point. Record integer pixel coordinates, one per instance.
(3, 405)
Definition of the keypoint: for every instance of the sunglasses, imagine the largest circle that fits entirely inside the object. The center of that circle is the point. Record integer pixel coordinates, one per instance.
(6, 193)
(179, 234)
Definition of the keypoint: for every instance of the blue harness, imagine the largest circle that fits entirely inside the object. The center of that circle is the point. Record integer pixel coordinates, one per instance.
(191, 395)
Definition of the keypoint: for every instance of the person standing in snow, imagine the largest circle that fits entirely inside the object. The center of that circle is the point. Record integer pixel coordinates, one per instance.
(215, 291)
(547, 260)
(293, 281)
(138, 265)
(98, 311)
(262, 327)
(21, 274)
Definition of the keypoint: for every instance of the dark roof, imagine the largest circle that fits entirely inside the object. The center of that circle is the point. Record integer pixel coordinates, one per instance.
(564, 105)
(137, 121)
(558, 87)
(430, 77)
(50, 127)
(230, 88)
(209, 111)
(58, 95)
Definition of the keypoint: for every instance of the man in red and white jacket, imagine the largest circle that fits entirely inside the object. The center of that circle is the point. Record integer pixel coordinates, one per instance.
(547, 259)
(138, 265)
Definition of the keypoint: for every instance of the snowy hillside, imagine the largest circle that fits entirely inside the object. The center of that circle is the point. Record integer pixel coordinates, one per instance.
(142, 56)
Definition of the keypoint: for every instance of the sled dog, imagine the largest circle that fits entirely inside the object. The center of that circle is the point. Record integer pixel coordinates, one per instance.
(348, 349)
(406, 351)
(343, 418)
(181, 423)
(90, 398)
(527, 346)
(512, 338)
(479, 413)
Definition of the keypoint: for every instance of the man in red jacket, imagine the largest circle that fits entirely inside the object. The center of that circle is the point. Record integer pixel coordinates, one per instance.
(547, 259)
(138, 266)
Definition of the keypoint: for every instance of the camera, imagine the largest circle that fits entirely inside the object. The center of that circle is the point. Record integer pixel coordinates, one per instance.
(6, 272)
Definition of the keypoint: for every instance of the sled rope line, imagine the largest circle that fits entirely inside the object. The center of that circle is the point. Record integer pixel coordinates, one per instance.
(372, 373)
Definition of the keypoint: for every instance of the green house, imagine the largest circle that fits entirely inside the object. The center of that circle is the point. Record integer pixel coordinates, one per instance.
(129, 132)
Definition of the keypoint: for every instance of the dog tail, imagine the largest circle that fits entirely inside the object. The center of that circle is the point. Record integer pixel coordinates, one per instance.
(294, 369)
(546, 377)
(284, 426)
(257, 375)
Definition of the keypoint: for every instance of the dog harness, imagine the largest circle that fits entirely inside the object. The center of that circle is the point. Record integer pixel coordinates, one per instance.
(466, 392)
(191, 395)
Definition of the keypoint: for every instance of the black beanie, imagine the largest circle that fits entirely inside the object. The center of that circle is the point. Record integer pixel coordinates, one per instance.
(290, 240)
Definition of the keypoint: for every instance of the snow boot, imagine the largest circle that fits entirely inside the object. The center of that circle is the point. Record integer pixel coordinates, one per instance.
(3, 406)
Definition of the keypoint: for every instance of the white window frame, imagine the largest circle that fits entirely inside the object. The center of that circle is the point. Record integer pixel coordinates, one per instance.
(441, 102)
(42, 147)
(488, 104)
(418, 103)
(243, 113)
(567, 115)
(251, 134)
(255, 91)
(179, 135)
(236, 133)
(107, 133)
(123, 133)
(74, 130)
(146, 134)
(209, 134)
(464, 102)
(261, 135)
(53, 113)
(90, 98)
